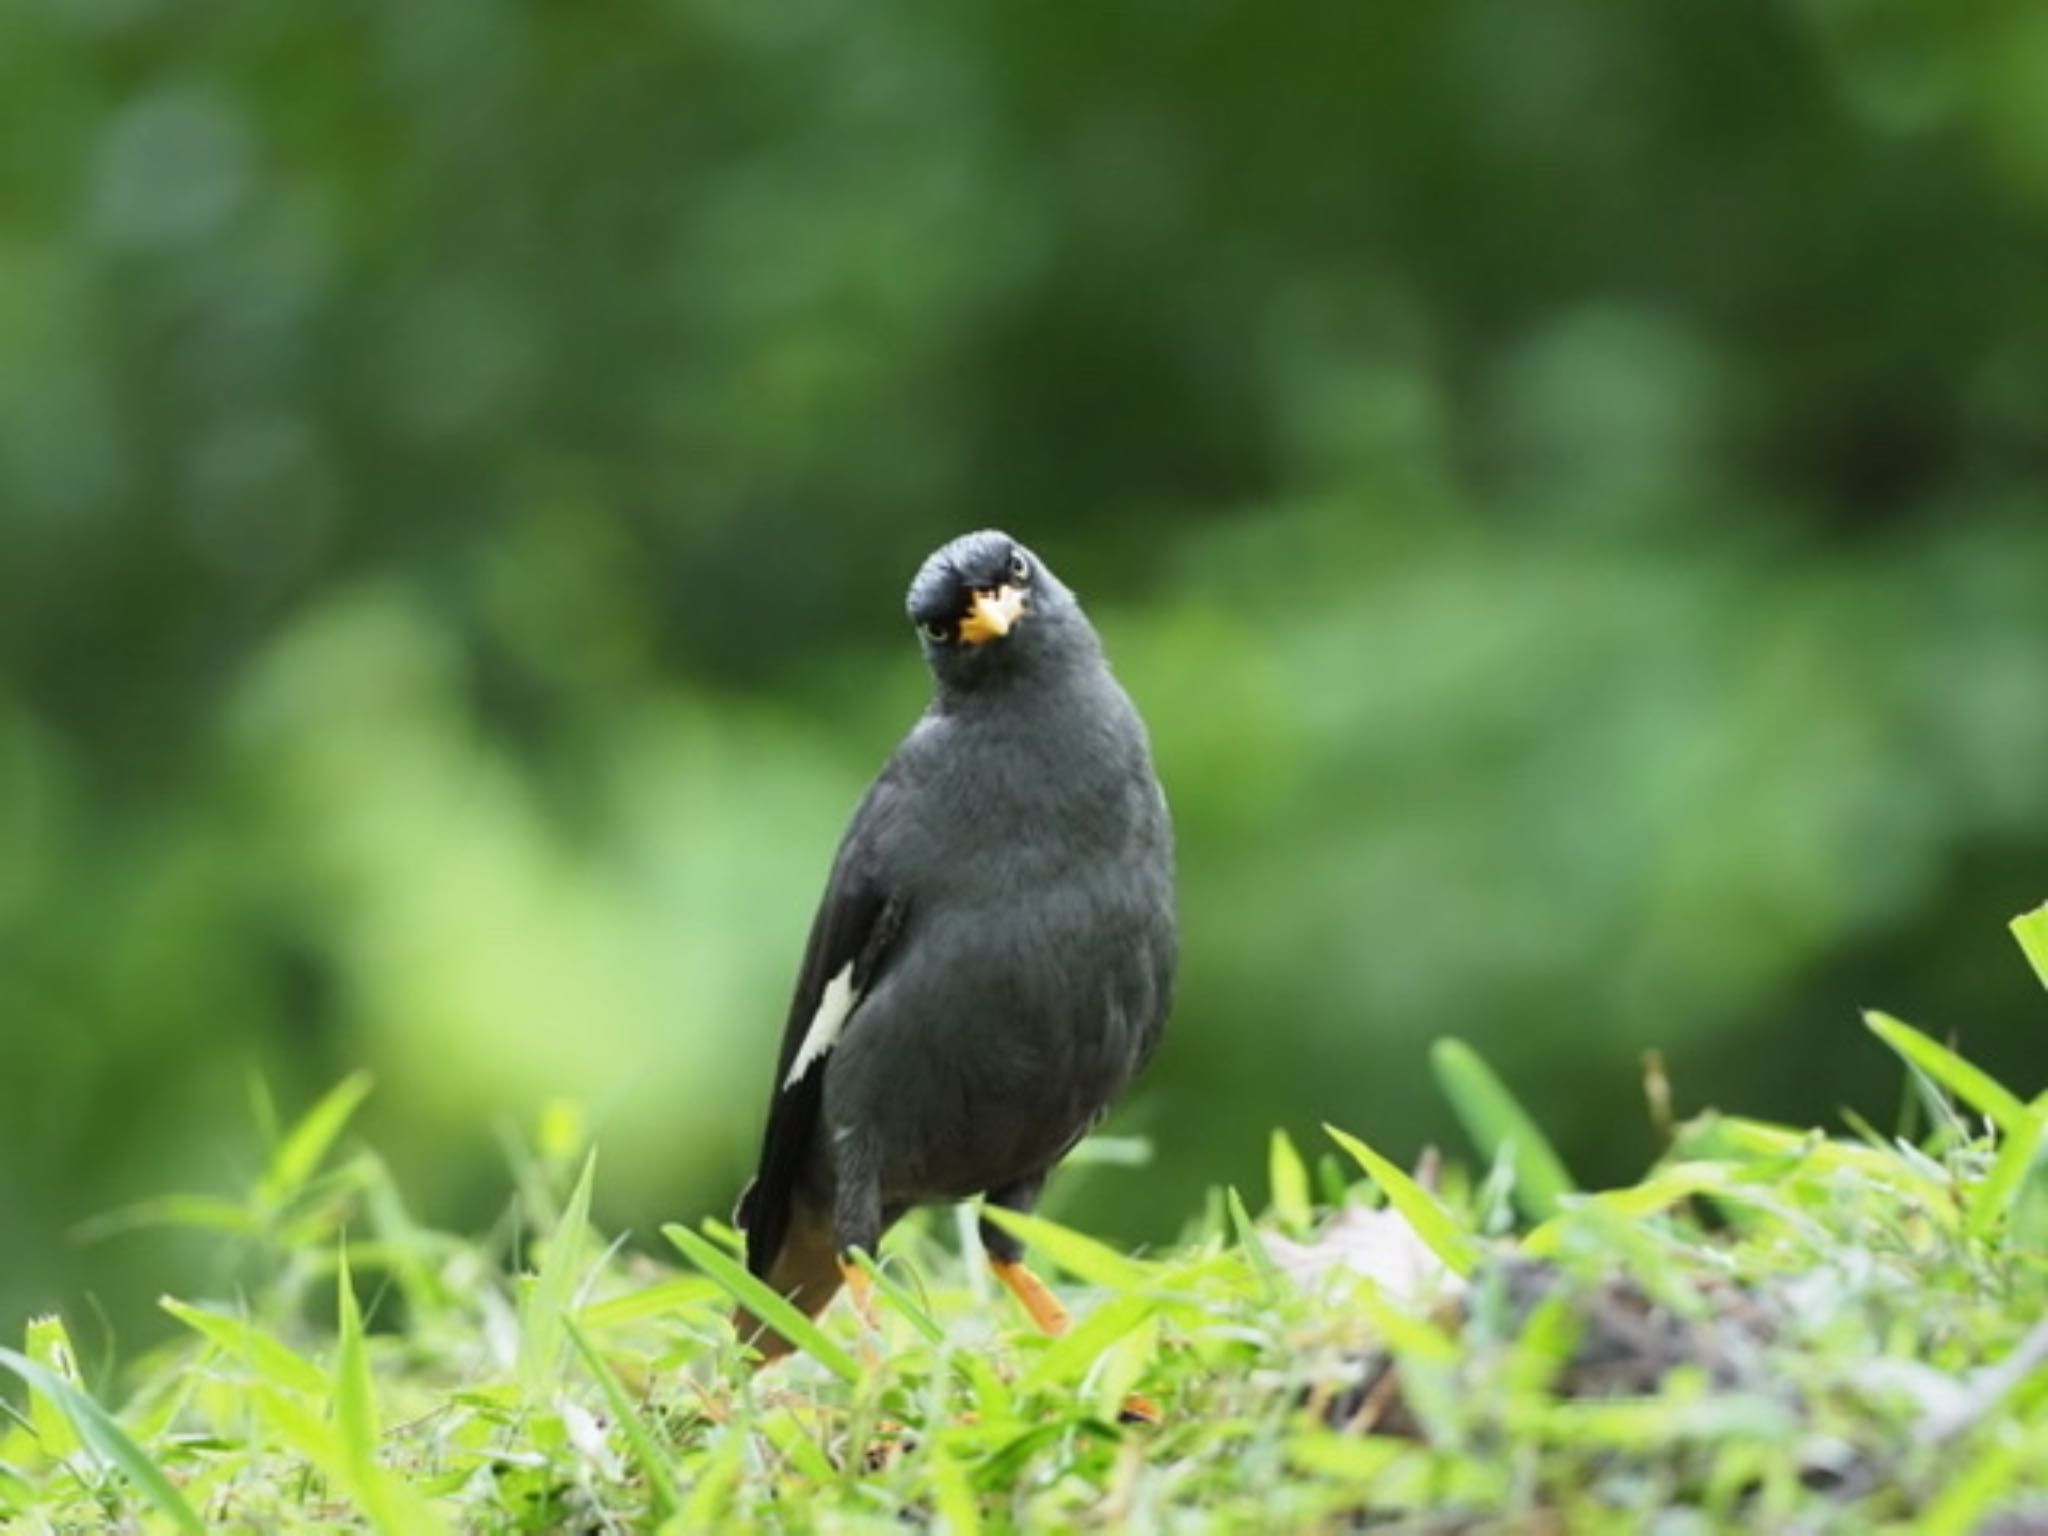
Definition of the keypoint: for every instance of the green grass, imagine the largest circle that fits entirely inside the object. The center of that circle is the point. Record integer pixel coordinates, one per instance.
(1775, 1329)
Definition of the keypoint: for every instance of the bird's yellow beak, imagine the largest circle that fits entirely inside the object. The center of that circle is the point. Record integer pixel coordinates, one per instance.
(993, 613)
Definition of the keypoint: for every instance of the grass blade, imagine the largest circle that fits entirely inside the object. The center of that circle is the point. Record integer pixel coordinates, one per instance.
(545, 1301)
(1287, 1178)
(1496, 1123)
(1971, 1084)
(355, 1406)
(661, 1477)
(786, 1432)
(1659, 1192)
(760, 1299)
(2000, 1189)
(202, 1212)
(17, 1497)
(96, 1427)
(1254, 1246)
(1081, 1256)
(1110, 1152)
(1122, 1366)
(48, 1343)
(291, 1422)
(657, 1300)
(899, 1297)
(953, 1499)
(1070, 1356)
(386, 1502)
(718, 1481)
(2031, 929)
(1428, 1357)
(308, 1142)
(1432, 1223)
(269, 1358)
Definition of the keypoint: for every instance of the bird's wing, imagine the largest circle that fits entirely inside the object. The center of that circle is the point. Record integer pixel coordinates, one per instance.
(857, 922)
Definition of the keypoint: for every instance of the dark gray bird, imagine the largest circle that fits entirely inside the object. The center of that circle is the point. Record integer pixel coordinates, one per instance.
(993, 959)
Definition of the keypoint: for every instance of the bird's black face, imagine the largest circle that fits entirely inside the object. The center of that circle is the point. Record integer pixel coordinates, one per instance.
(974, 591)
(984, 601)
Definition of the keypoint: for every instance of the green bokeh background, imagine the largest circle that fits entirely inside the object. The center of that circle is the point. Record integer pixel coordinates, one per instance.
(1564, 482)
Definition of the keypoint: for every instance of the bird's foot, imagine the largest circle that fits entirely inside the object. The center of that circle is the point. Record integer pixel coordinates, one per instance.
(1035, 1295)
(889, 1444)
(860, 1286)
(860, 1289)
(1139, 1409)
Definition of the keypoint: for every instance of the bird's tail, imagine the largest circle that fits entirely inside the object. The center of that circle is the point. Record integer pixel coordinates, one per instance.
(806, 1270)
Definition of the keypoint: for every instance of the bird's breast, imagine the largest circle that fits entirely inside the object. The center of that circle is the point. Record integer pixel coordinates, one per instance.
(1029, 979)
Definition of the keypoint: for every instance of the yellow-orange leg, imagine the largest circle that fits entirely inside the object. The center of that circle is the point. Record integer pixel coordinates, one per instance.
(1034, 1293)
(1051, 1317)
(861, 1287)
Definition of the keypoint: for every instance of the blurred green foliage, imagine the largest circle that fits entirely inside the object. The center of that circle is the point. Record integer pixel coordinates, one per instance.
(1565, 484)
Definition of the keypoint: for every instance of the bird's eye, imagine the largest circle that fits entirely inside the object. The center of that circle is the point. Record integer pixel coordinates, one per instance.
(936, 629)
(1020, 569)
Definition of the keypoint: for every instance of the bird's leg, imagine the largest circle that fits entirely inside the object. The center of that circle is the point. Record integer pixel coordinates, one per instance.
(857, 1224)
(1046, 1309)
(1006, 1258)
(860, 1286)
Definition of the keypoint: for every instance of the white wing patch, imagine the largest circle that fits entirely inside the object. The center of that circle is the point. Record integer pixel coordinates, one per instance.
(834, 1008)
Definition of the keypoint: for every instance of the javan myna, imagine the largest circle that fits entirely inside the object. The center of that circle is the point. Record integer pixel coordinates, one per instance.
(993, 959)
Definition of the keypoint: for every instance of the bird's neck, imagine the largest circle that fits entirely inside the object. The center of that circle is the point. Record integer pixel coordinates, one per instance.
(1048, 688)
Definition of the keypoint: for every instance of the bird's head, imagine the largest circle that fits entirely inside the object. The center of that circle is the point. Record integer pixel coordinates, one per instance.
(986, 608)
